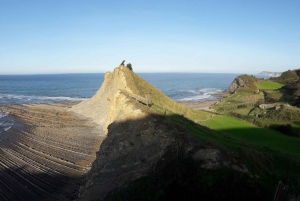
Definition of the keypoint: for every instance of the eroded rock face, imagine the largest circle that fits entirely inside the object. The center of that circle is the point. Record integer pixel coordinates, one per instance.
(237, 83)
(211, 158)
(128, 152)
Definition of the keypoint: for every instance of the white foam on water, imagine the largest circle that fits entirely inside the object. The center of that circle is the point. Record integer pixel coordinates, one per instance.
(40, 98)
(195, 98)
(7, 128)
(5, 122)
(199, 94)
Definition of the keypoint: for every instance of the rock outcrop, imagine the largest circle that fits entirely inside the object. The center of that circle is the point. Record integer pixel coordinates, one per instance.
(101, 108)
(243, 83)
(237, 83)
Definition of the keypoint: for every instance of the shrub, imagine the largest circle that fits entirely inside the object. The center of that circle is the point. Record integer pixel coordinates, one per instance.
(129, 66)
(285, 129)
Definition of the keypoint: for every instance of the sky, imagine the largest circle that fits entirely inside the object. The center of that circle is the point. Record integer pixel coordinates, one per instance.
(72, 36)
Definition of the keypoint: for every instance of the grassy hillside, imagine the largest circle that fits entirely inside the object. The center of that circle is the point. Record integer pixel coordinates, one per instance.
(253, 134)
(268, 85)
(161, 103)
(291, 89)
(287, 76)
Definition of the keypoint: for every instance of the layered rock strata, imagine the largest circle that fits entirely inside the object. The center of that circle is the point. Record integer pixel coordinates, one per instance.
(45, 153)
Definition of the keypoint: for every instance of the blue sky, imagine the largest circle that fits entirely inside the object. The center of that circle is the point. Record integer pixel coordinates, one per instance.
(72, 36)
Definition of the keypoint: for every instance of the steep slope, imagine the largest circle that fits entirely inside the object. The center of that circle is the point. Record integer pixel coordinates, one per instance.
(123, 85)
(101, 104)
(143, 141)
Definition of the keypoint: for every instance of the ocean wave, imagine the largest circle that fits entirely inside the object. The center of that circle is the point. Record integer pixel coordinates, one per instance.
(211, 90)
(195, 98)
(5, 122)
(7, 98)
(199, 94)
(4, 129)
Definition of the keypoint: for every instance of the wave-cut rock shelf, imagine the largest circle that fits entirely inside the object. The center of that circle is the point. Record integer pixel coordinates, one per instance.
(45, 153)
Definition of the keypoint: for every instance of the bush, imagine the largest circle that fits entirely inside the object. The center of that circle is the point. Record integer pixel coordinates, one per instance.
(129, 66)
(285, 129)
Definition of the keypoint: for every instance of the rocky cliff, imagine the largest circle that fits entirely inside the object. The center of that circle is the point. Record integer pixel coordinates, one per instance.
(243, 83)
(143, 144)
(237, 83)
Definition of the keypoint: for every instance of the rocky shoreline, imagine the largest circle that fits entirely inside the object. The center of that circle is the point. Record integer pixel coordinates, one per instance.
(46, 152)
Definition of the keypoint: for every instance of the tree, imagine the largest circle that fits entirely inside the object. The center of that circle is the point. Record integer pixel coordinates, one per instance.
(129, 66)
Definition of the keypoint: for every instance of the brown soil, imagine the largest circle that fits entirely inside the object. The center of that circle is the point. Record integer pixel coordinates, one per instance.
(45, 153)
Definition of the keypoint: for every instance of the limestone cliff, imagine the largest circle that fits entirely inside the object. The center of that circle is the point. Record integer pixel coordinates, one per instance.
(101, 107)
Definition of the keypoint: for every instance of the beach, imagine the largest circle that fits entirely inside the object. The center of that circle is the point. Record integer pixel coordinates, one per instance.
(205, 104)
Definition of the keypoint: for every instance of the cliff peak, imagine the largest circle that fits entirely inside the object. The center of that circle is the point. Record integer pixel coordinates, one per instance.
(121, 90)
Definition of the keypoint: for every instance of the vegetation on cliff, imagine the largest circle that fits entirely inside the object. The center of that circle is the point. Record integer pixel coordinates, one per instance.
(243, 83)
(291, 89)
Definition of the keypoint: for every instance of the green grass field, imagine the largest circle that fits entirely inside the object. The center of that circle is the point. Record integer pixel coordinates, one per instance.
(268, 85)
(250, 133)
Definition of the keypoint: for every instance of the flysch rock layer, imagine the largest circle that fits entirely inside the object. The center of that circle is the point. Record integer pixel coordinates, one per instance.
(103, 107)
(45, 153)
